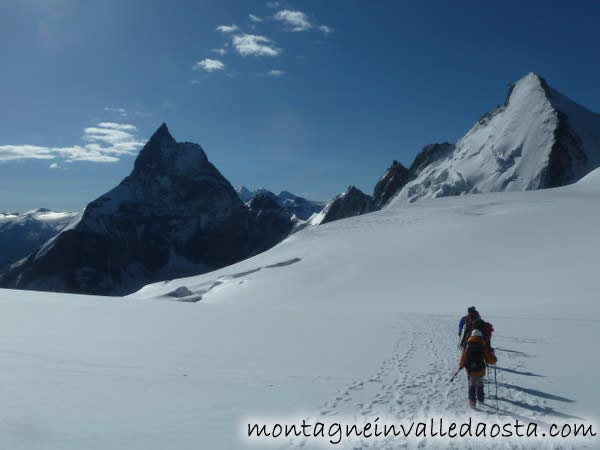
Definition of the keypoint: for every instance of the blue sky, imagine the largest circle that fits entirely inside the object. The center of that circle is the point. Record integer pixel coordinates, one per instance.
(308, 95)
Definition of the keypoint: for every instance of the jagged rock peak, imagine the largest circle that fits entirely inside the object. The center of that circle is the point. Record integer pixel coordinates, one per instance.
(390, 184)
(162, 134)
(352, 202)
(244, 194)
(263, 200)
(163, 154)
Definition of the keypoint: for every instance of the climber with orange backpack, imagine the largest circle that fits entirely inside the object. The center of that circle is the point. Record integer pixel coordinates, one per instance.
(474, 358)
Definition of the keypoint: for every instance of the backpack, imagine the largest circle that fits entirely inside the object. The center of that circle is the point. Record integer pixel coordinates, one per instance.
(478, 324)
(474, 357)
(486, 329)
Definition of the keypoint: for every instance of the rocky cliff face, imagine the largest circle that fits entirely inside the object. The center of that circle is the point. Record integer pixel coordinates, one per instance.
(273, 222)
(174, 215)
(352, 202)
(392, 181)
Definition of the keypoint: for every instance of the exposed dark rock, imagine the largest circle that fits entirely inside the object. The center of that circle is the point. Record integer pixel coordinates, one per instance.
(273, 223)
(353, 202)
(175, 215)
(427, 155)
(390, 184)
(300, 207)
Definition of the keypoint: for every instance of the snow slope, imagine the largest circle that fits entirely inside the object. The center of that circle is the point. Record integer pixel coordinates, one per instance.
(355, 318)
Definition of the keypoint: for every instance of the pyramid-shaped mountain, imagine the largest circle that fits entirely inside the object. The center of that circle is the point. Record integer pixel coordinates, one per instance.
(174, 215)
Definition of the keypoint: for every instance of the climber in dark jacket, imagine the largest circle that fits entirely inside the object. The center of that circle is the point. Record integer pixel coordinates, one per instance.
(466, 322)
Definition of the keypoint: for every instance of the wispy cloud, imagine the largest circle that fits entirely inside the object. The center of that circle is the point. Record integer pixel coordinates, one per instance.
(255, 45)
(208, 65)
(254, 18)
(121, 111)
(219, 51)
(295, 19)
(85, 153)
(325, 29)
(275, 73)
(17, 152)
(227, 28)
(272, 5)
(117, 126)
(105, 142)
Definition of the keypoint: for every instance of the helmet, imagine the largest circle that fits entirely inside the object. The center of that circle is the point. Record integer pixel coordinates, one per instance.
(476, 333)
(471, 309)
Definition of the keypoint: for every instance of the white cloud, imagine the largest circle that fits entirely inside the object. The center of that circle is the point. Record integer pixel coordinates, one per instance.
(17, 152)
(117, 126)
(79, 153)
(254, 18)
(121, 111)
(296, 19)
(209, 65)
(227, 28)
(219, 51)
(275, 73)
(325, 29)
(105, 142)
(252, 44)
(272, 5)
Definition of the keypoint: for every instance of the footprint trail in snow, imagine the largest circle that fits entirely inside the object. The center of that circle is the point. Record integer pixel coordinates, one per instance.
(414, 384)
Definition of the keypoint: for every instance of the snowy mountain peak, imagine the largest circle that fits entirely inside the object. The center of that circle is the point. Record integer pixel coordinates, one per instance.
(538, 139)
(174, 215)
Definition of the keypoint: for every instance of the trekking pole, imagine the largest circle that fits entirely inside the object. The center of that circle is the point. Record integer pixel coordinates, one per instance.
(496, 381)
(455, 373)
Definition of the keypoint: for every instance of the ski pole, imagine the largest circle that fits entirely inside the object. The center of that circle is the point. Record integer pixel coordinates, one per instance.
(455, 373)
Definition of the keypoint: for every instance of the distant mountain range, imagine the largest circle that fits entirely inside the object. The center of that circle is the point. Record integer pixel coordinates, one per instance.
(21, 234)
(294, 205)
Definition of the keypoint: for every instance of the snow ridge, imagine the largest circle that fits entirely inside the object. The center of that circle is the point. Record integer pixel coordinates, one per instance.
(537, 139)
